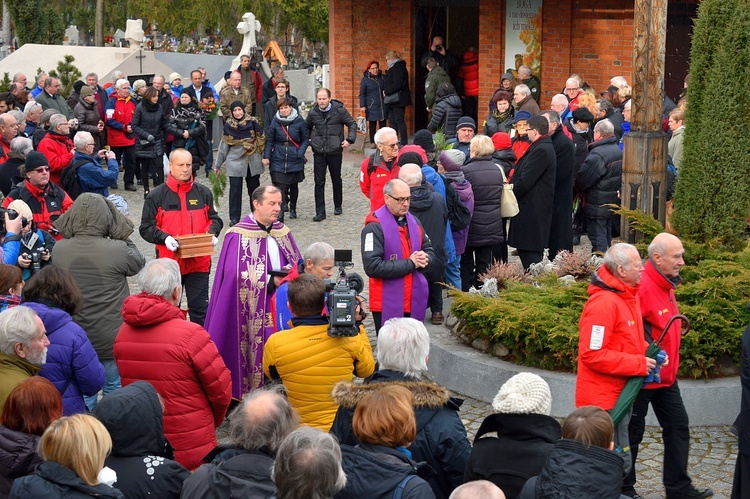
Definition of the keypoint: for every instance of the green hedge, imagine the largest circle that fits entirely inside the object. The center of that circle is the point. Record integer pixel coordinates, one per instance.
(538, 322)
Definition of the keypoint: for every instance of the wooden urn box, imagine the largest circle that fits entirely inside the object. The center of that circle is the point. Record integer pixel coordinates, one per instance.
(192, 245)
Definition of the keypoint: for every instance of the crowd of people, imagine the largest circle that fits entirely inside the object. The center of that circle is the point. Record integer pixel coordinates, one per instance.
(109, 394)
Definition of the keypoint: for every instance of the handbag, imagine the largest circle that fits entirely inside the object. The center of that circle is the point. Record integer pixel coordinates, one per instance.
(391, 99)
(508, 202)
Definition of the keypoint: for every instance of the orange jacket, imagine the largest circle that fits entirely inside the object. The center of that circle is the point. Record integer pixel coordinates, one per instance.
(611, 345)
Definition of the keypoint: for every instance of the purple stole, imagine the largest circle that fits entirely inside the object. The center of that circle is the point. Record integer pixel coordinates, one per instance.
(393, 289)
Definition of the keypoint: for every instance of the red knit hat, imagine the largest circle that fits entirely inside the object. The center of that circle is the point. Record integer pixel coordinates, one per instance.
(501, 140)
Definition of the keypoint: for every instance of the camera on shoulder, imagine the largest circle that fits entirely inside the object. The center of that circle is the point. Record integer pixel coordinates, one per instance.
(342, 296)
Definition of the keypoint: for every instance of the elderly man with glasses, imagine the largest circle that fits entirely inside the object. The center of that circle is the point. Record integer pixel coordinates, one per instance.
(380, 167)
(46, 199)
(395, 252)
(97, 170)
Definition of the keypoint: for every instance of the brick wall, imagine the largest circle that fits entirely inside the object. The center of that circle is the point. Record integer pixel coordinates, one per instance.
(491, 44)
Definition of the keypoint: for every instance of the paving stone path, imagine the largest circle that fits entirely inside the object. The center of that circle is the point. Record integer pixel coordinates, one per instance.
(713, 449)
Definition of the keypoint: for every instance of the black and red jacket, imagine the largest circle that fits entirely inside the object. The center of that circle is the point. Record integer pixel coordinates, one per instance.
(177, 208)
(46, 203)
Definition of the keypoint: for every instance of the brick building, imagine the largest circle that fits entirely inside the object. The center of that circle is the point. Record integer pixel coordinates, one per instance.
(590, 37)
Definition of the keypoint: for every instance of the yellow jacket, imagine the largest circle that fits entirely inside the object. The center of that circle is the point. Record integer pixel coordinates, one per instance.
(310, 363)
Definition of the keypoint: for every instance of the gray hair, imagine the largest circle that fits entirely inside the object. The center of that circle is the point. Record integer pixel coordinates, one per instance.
(18, 115)
(308, 464)
(477, 488)
(82, 139)
(551, 116)
(523, 88)
(388, 188)
(40, 77)
(56, 120)
(618, 81)
(604, 127)
(30, 106)
(524, 69)
(570, 81)
(618, 255)
(158, 76)
(262, 420)
(318, 252)
(160, 277)
(660, 244)
(94, 75)
(17, 325)
(120, 82)
(20, 147)
(380, 134)
(276, 70)
(403, 346)
(17, 77)
(604, 105)
(411, 173)
(138, 84)
(559, 99)
(117, 76)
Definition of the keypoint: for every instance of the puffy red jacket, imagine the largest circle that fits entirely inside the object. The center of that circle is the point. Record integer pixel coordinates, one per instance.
(156, 344)
(57, 149)
(469, 73)
(611, 345)
(119, 114)
(372, 180)
(658, 305)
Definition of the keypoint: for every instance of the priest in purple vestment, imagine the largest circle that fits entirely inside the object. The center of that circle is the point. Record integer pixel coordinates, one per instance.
(395, 252)
(239, 313)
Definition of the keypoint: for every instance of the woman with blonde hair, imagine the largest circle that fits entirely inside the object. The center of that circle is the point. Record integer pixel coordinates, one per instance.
(385, 425)
(73, 449)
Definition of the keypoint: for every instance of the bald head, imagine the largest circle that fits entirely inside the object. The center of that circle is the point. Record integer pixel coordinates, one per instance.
(667, 254)
(262, 420)
(411, 174)
(479, 488)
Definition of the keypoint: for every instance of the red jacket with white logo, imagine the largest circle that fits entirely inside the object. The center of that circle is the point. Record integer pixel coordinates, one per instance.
(611, 345)
(372, 181)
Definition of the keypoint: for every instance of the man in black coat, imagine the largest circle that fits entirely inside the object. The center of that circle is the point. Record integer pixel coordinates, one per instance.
(599, 180)
(561, 230)
(430, 209)
(534, 187)
(606, 111)
(326, 122)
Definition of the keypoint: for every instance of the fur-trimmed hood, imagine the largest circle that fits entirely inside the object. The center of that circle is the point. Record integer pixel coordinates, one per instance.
(348, 394)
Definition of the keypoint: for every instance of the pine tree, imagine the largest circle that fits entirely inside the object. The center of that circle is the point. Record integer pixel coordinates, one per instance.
(712, 200)
(67, 73)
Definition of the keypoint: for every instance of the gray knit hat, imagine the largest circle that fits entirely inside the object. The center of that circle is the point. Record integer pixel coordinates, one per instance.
(524, 393)
(452, 159)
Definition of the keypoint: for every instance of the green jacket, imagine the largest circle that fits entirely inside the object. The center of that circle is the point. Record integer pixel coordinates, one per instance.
(58, 103)
(535, 86)
(435, 78)
(13, 370)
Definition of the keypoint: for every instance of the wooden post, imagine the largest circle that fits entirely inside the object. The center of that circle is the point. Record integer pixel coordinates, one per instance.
(644, 172)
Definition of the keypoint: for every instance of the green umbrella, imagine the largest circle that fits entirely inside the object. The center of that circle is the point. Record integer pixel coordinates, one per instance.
(634, 384)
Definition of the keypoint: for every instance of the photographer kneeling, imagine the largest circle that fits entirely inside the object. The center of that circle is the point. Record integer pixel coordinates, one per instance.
(308, 361)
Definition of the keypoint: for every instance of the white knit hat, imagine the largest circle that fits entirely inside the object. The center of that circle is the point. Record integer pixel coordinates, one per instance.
(524, 393)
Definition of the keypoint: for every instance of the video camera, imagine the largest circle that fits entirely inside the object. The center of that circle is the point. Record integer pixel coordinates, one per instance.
(342, 296)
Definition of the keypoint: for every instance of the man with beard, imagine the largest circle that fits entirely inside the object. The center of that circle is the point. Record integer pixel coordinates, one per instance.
(23, 348)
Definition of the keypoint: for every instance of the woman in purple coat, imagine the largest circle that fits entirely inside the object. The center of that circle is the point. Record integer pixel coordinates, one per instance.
(71, 364)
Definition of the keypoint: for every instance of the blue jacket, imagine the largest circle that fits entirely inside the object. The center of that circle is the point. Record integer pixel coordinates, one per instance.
(12, 248)
(284, 155)
(72, 365)
(91, 175)
(434, 178)
(371, 96)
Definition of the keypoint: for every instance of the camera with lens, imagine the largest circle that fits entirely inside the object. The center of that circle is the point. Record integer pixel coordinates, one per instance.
(342, 296)
(36, 259)
(12, 215)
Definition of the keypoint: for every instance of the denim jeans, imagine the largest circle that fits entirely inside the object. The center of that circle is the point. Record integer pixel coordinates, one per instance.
(452, 272)
(111, 383)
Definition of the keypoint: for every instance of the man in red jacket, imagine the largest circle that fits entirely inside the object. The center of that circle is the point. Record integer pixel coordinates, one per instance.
(611, 345)
(156, 344)
(380, 167)
(661, 275)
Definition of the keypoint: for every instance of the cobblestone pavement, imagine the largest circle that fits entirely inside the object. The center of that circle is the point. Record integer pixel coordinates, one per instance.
(713, 449)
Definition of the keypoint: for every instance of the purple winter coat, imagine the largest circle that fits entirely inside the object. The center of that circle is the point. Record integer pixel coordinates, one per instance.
(466, 195)
(72, 364)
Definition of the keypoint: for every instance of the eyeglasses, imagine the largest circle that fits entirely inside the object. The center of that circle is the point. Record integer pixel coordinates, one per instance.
(404, 200)
(92, 144)
(41, 169)
(395, 145)
(570, 89)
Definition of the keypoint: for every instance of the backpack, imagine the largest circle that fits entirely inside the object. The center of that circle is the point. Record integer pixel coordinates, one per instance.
(671, 178)
(458, 214)
(69, 180)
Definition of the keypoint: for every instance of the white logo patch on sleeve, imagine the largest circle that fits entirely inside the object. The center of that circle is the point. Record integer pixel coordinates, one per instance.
(368, 242)
(597, 337)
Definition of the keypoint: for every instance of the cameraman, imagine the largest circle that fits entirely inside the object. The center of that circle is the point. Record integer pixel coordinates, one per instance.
(96, 170)
(310, 362)
(36, 244)
(316, 260)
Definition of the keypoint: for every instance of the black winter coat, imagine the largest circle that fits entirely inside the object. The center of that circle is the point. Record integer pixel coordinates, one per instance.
(561, 230)
(371, 96)
(397, 80)
(446, 113)
(284, 155)
(231, 472)
(486, 228)
(441, 437)
(432, 212)
(55, 480)
(269, 109)
(374, 471)
(10, 174)
(18, 457)
(600, 177)
(196, 128)
(88, 119)
(568, 462)
(149, 122)
(327, 129)
(534, 187)
(581, 141)
(141, 455)
(517, 452)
